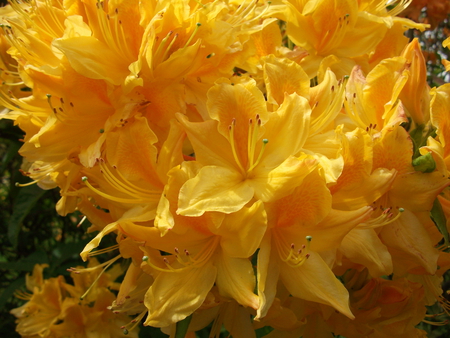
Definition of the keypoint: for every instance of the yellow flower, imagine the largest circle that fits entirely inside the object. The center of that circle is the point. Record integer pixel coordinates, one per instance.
(372, 101)
(361, 183)
(440, 99)
(44, 306)
(415, 94)
(301, 226)
(212, 248)
(240, 164)
(383, 308)
(56, 309)
(331, 27)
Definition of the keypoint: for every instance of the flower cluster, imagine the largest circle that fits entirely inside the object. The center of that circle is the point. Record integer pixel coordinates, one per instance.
(279, 164)
(56, 309)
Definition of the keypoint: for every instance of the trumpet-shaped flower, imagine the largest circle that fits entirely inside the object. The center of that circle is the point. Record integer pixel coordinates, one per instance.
(205, 250)
(254, 153)
(301, 226)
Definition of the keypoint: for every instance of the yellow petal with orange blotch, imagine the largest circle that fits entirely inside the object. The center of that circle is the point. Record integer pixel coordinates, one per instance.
(372, 188)
(309, 204)
(241, 102)
(283, 76)
(270, 185)
(368, 30)
(329, 233)
(132, 150)
(359, 184)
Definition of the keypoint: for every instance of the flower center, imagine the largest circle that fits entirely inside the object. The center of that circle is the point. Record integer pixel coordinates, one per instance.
(292, 256)
(252, 140)
(184, 260)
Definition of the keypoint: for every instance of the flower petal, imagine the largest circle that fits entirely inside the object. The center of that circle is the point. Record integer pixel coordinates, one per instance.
(214, 189)
(314, 281)
(175, 295)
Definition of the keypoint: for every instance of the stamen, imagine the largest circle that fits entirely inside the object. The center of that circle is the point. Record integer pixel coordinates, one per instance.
(264, 141)
(231, 128)
(244, 17)
(106, 264)
(294, 258)
(386, 217)
(102, 251)
(197, 26)
(169, 47)
(110, 197)
(22, 295)
(126, 328)
(186, 260)
(121, 184)
(159, 49)
(17, 184)
(253, 135)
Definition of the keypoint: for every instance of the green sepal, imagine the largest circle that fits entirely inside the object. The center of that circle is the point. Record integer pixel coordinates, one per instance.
(438, 217)
(424, 163)
(182, 327)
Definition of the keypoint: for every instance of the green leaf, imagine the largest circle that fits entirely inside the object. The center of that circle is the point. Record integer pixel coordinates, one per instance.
(27, 263)
(12, 150)
(263, 331)
(424, 163)
(26, 199)
(9, 291)
(182, 327)
(438, 217)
